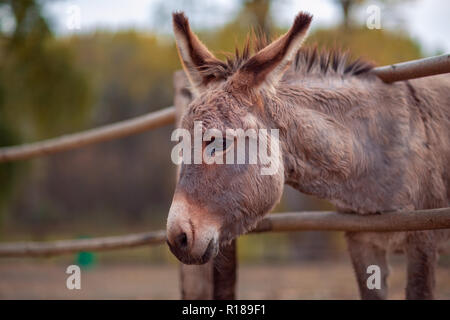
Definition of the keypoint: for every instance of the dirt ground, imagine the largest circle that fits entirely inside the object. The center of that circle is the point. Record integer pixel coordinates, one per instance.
(28, 279)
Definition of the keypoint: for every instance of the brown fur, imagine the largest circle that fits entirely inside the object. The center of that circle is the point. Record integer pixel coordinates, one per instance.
(346, 136)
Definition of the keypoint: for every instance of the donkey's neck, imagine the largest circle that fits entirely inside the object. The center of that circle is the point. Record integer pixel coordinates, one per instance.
(320, 149)
(334, 96)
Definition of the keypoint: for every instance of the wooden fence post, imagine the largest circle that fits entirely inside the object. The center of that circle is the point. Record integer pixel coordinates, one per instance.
(225, 273)
(217, 278)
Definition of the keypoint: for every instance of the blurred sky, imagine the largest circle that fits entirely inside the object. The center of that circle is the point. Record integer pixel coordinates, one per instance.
(425, 20)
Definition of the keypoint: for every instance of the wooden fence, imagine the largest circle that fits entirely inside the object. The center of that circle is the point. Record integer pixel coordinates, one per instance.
(207, 281)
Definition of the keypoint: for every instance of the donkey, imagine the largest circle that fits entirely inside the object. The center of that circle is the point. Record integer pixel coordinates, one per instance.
(344, 135)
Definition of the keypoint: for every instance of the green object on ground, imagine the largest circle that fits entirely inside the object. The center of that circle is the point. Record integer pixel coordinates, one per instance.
(85, 259)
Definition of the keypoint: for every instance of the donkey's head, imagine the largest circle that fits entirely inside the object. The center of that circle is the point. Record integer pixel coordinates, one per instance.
(213, 202)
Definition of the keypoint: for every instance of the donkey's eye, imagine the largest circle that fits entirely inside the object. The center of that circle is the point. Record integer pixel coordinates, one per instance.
(217, 145)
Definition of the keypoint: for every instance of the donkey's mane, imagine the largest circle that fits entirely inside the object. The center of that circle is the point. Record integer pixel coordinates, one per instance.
(308, 60)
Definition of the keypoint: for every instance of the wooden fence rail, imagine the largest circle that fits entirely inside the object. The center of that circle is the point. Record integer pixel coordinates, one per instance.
(414, 69)
(71, 141)
(280, 222)
(60, 247)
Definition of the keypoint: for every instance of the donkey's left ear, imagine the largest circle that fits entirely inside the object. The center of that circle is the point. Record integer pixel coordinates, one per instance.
(194, 55)
(269, 64)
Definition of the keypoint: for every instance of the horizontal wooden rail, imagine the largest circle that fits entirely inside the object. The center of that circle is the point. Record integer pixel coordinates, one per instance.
(414, 69)
(397, 72)
(109, 132)
(335, 221)
(34, 249)
(294, 221)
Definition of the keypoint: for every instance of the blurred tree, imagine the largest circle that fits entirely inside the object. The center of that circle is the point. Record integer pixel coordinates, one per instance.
(347, 8)
(8, 171)
(45, 93)
(42, 93)
(256, 14)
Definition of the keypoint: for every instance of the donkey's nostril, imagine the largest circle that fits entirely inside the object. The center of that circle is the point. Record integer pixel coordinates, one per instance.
(182, 241)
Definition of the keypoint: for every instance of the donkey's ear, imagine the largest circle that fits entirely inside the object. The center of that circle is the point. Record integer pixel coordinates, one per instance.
(194, 55)
(269, 64)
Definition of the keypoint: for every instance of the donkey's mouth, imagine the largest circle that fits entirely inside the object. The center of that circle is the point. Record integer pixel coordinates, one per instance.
(211, 251)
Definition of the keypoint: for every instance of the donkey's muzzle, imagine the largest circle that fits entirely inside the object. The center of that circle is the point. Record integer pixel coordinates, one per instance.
(192, 235)
(183, 254)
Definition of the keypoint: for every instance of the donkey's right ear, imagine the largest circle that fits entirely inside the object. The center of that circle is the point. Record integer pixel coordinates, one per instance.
(194, 55)
(269, 64)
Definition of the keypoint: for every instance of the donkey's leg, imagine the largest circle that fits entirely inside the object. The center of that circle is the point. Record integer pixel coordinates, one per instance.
(421, 251)
(364, 254)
